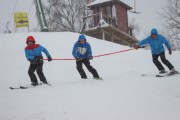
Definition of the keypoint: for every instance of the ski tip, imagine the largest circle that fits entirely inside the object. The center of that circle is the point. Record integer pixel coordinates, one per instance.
(100, 78)
(11, 88)
(143, 75)
(45, 84)
(160, 76)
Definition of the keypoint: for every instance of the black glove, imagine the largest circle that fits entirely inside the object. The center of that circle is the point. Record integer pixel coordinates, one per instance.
(170, 51)
(90, 57)
(33, 61)
(136, 46)
(49, 58)
(78, 59)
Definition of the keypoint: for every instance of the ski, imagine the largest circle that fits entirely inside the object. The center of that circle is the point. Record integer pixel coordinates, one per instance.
(12, 88)
(21, 87)
(160, 75)
(145, 75)
(29, 86)
(168, 74)
(100, 78)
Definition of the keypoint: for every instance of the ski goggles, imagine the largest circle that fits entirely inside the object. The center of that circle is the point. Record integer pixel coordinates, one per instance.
(30, 42)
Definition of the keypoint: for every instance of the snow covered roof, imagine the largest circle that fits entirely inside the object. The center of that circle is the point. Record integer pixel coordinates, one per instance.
(96, 2)
(99, 1)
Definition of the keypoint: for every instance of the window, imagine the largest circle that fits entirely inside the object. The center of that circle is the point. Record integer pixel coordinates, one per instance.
(109, 11)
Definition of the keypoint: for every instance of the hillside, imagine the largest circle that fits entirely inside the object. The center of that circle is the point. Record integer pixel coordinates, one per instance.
(124, 94)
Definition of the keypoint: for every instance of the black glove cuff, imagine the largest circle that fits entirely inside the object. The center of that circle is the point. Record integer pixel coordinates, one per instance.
(49, 58)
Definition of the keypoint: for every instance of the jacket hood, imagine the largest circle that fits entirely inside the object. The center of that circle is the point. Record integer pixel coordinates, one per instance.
(81, 37)
(30, 38)
(154, 31)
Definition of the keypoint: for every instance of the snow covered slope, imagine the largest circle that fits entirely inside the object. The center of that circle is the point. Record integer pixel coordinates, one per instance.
(123, 94)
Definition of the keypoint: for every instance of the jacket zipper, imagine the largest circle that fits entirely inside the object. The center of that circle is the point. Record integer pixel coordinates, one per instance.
(156, 45)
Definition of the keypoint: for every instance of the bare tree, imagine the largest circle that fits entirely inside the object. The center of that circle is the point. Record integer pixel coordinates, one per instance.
(134, 26)
(66, 15)
(171, 21)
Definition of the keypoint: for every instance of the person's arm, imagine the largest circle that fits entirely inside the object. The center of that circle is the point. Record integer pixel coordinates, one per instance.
(46, 52)
(141, 43)
(89, 51)
(74, 51)
(167, 44)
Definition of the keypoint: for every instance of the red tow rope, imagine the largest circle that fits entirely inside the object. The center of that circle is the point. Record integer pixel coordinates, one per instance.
(113, 53)
(93, 56)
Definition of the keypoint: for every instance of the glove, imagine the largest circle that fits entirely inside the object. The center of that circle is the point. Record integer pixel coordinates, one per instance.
(90, 57)
(170, 51)
(136, 46)
(49, 58)
(78, 59)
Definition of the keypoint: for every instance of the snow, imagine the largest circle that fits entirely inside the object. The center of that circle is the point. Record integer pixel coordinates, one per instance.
(123, 94)
(104, 1)
(98, 2)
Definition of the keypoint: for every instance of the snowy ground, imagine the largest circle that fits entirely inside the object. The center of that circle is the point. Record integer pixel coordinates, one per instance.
(123, 94)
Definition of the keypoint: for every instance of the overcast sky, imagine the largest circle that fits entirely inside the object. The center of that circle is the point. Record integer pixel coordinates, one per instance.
(147, 20)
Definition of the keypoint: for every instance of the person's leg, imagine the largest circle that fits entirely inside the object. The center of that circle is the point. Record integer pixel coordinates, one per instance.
(39, 70)
(32, 76)
(157, 63)
(80, 69)
(165, 61)
(90, 68)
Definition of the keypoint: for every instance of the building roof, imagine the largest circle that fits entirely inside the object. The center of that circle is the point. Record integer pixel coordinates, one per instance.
(97, 2)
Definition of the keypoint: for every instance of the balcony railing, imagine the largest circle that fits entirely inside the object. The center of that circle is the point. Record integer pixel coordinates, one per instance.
(98, 20)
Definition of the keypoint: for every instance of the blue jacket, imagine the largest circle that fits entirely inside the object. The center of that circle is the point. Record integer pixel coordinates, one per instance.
(35, 50)
(82, 51)
(155, 44)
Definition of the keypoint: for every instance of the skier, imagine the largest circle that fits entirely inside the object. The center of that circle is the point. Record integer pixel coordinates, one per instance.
(156, 42)
(34, 56)
(82, 53)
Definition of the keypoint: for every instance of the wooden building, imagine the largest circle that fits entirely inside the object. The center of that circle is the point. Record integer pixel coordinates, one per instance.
(109, 21)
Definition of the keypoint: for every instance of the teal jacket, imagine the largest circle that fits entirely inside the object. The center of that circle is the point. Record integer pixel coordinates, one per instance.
(35, 50)
(155, 44)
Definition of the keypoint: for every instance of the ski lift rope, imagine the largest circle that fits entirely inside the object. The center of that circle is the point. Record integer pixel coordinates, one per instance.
(10, 18)
(30, 7)
(29, 10)
(15, 8)
(13, 11)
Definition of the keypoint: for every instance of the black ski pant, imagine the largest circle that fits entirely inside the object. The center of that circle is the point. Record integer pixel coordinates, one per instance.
(163, 59)
(88, 66)
(38, 68)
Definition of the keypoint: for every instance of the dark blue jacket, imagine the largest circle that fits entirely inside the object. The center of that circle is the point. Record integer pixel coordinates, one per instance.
(82, 51)
(155, 44)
